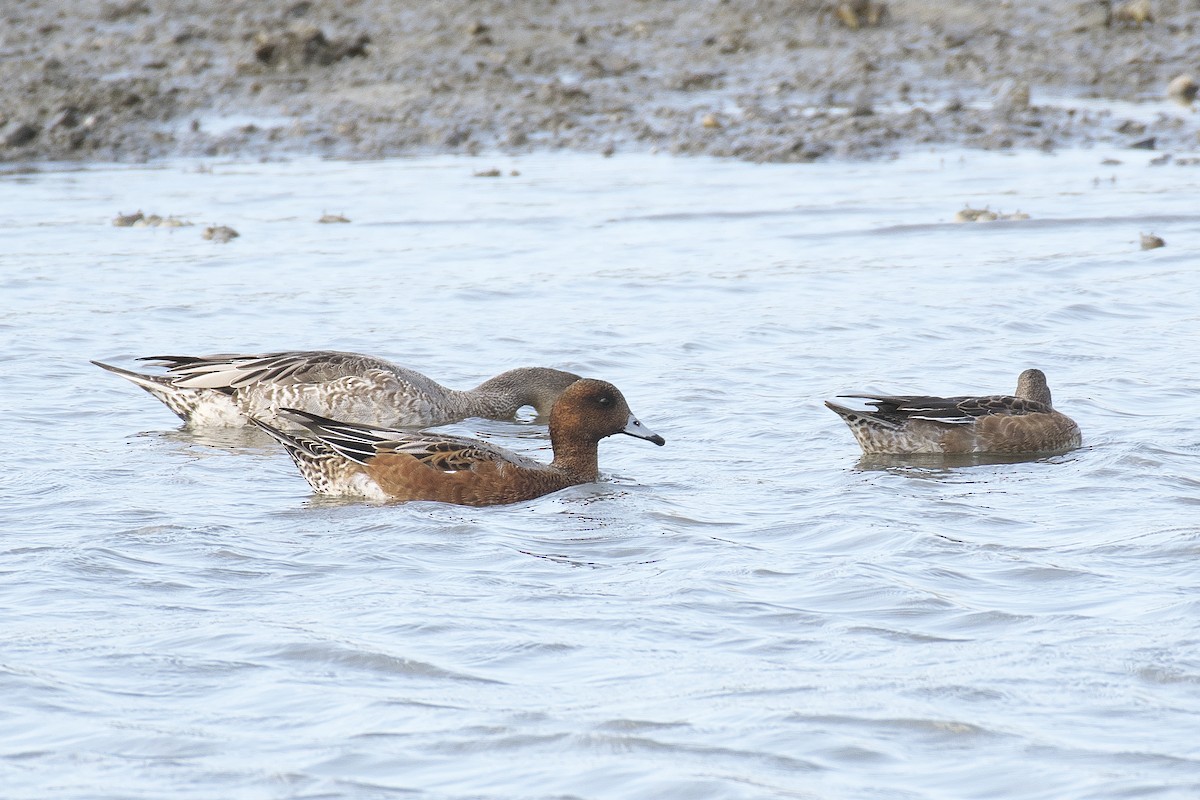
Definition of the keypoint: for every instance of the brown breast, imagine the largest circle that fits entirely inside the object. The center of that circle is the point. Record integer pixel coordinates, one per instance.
(486, 483)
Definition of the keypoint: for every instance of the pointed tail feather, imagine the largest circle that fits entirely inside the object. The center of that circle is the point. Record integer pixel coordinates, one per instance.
(347, 439)
(151, 383)
(212, 407)
(173, 362)
(855, 417)
(288, 440)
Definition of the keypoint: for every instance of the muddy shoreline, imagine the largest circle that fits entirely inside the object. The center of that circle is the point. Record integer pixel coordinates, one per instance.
(136, 80)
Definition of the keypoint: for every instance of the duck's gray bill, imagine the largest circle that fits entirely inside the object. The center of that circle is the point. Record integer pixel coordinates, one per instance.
(635, 428)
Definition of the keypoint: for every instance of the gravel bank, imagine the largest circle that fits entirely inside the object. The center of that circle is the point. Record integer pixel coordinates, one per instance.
(761, 80)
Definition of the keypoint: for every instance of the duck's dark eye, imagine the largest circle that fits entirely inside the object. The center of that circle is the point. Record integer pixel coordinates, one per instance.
(604, 400)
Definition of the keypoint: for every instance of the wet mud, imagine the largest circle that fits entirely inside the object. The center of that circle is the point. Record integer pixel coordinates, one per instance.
(761, 80)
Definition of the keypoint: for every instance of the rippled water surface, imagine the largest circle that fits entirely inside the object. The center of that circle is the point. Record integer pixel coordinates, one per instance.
(750, 611)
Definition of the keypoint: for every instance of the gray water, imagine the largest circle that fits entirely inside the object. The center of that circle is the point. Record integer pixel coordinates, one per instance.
(748, 612)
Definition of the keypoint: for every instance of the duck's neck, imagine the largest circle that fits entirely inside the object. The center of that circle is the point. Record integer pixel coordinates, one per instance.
(580, 458)
(500, 397)
(1042, 395)
(1032, 388)
(496, 398)
(482, 403)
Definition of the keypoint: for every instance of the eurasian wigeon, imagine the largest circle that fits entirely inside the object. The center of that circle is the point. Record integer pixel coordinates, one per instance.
(340, 458)
(1024, 422)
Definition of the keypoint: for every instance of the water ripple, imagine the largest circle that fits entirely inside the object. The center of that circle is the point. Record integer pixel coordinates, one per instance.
(752, 611)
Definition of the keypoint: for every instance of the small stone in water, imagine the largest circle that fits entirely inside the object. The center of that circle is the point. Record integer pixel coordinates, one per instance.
(220, 233)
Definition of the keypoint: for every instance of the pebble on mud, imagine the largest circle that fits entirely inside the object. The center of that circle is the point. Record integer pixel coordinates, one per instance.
(480, 33)
(694, 81)
(1182, 89)
(67, 117)
(219, 233)
(488, 173)
(1150, 241)
(18, 133)
(1012, 96)
(1132, 12)
(855, 14)
(115, 12)
(558, 92)
(330, 219)
(306, 45)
